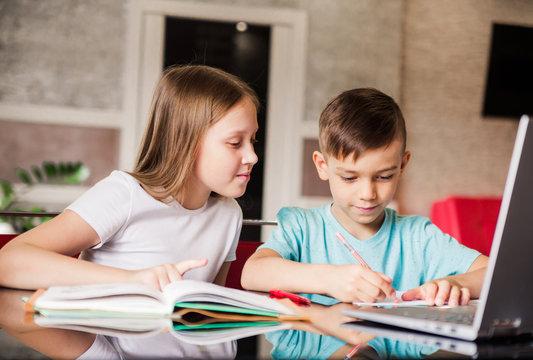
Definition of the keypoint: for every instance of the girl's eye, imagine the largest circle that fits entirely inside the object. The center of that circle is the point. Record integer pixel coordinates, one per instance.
(235, 144)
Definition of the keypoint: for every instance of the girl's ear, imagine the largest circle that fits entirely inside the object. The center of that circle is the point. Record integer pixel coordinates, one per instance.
(321, 165)
(405, 160)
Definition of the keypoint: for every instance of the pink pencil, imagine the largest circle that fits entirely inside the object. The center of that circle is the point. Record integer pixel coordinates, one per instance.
(352, 352)
(352, 250)
(364, 264)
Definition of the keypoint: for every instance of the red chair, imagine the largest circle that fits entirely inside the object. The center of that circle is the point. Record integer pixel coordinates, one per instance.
(471, 220)
(245, 249)
(5, 238)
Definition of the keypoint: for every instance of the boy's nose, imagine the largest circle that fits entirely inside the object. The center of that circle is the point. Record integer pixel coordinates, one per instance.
(367, 190)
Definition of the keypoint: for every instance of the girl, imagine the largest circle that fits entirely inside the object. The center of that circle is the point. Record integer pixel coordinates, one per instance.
(174, 213)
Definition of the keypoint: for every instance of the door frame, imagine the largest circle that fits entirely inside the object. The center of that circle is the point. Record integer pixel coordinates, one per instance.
(144, 61)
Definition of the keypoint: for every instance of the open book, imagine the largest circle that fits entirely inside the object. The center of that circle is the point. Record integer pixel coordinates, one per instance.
(194, 311)
(136, 300)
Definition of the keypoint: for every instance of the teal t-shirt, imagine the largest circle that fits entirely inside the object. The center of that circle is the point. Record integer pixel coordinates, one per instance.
(407, 248)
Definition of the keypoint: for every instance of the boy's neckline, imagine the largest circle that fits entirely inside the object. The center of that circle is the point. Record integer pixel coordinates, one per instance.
(343, 230)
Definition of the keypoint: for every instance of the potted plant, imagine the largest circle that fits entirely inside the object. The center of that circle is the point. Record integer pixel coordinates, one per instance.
(18, 197)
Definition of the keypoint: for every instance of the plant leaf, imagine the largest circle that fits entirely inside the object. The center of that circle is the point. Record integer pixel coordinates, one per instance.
(37, 173)
(50, 170)
(23, 175)
(63, 169)
(7, 194)
(82, 173)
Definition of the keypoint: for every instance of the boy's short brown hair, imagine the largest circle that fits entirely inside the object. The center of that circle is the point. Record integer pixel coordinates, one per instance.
(359, 120)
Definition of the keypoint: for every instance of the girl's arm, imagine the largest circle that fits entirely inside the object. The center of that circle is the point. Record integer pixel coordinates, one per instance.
(42, 257)
(45, 340)
(266, 270)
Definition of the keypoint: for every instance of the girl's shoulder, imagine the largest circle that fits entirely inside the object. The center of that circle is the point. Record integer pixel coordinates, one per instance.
(118, 186)
(118, 177)
(122, 176)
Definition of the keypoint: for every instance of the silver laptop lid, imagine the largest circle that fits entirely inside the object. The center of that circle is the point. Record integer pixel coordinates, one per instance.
(505, 302)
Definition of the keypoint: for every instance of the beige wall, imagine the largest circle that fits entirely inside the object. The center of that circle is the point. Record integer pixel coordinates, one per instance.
(455, 150)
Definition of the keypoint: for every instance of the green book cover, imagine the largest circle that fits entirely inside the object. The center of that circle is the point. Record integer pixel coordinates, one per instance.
(222, 325)
(225, 308)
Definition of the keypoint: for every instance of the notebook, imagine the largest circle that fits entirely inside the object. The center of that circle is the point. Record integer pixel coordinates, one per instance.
(505, 306)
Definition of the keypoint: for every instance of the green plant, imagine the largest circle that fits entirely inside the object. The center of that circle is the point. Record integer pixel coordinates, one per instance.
(52, 173)
(48, 173)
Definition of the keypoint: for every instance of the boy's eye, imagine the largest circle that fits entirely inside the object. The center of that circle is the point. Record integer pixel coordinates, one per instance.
(388, 177)
(348, 178)
(235, 143)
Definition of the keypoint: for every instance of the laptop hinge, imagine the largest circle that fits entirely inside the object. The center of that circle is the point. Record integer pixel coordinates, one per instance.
(504, 327)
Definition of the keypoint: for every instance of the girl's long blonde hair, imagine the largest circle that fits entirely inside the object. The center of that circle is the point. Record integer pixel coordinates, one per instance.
(187, 100)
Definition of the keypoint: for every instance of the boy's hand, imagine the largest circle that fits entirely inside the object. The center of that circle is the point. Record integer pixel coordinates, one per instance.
(353, 282)
(162, 275)
(437, 292)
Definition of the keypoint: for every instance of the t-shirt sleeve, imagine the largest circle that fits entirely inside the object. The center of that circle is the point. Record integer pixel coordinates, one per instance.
(232, 254)
(444, 255)
(106, 206)
(286, 238)
(100, 349)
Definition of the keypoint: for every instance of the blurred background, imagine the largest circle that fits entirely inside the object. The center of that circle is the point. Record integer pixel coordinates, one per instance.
(76, 77)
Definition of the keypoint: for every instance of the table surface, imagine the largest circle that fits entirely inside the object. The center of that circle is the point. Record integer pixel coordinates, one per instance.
(326, 335)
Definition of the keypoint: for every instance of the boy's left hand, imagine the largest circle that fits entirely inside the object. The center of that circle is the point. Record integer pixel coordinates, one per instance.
(438, 292)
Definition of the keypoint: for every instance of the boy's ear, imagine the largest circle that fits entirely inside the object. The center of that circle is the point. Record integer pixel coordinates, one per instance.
(405, 159)
(321, 165)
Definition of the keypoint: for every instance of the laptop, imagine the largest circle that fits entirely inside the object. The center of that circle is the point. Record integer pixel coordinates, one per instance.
(505, 305)
(501, 348)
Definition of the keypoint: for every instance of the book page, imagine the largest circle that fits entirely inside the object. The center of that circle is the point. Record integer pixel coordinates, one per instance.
(118, 297)
(193, 291)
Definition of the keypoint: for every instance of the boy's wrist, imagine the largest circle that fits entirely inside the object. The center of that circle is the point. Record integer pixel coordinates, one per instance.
(323, 276)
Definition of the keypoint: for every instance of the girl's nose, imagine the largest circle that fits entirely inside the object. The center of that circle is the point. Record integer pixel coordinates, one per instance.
(250, 157)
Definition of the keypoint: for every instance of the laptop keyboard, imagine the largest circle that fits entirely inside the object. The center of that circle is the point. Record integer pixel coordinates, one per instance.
(447, 317)
(456, 315)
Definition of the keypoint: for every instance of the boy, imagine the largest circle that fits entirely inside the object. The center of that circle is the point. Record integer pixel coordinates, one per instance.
(363, 154)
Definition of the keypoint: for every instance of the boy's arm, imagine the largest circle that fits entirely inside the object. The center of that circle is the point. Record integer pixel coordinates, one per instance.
(455, 289)
(266, 270)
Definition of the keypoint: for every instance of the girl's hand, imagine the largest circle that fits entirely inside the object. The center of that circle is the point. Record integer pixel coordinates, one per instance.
(437, 292)
(162, 275)
(353, 282)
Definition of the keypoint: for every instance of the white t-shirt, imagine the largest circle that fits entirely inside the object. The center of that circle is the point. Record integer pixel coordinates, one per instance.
(138, 231)
(160, 346)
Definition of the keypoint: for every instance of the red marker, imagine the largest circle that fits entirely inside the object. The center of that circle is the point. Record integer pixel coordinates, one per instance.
(297, 299)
